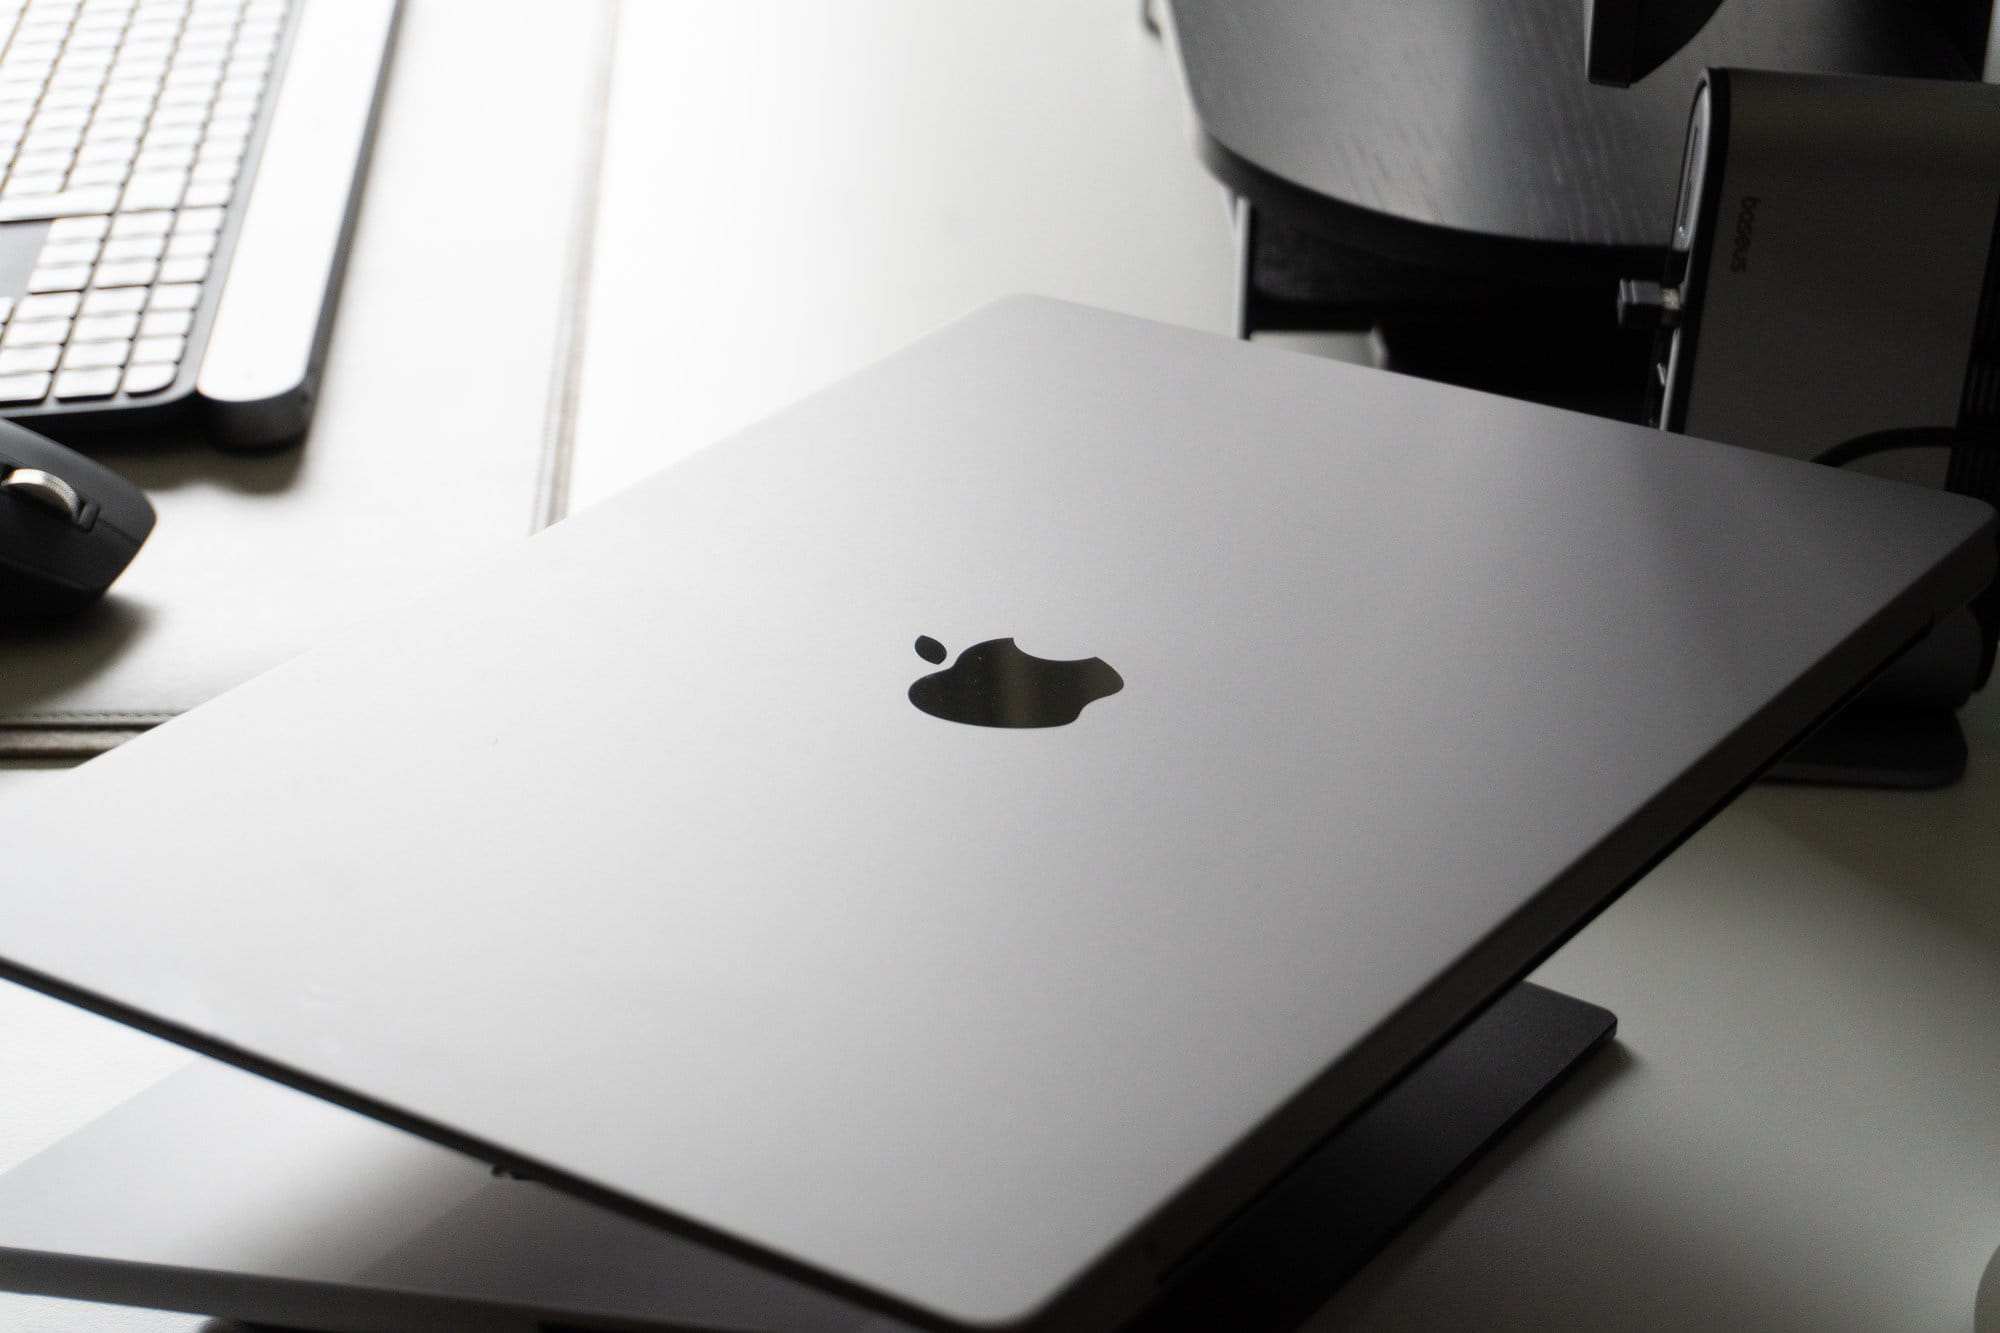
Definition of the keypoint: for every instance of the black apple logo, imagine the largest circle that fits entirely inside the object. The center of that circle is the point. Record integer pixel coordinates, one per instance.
(995, 684)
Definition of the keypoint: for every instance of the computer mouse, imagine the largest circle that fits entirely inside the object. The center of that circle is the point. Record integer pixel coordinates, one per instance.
(68, 527)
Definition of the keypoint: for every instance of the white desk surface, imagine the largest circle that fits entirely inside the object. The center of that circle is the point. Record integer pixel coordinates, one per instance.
(1799, 1127)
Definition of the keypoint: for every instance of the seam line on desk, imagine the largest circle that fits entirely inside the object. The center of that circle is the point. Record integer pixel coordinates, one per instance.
(566, 382)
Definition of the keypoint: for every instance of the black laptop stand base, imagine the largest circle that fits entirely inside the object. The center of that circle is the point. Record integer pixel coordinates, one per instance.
(1914, 750)
(1294, 1248)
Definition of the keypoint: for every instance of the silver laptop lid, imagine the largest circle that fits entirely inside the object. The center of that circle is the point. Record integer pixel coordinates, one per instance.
(630, 863)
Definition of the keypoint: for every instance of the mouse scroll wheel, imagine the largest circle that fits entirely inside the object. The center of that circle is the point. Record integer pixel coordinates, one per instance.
(45, 489)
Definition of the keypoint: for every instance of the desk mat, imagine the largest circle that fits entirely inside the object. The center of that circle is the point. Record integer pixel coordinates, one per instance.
(443, 425)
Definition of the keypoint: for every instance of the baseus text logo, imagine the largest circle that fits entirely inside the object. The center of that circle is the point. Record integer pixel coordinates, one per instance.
(1746, 223)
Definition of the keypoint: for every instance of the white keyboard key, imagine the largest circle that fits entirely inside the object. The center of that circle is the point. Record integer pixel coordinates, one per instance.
(141, 224)
(208, 173)
(35, 333)
(150, 378)
(202, 194)
(186, 296)
(184, 270)
(29, 360)
(120, 249)
(112, 174)
(124, 118)
(79, 229)
(192, 102)
(136, 273)
(189, 245)
(73, 384)
(32, 165)
(105, 328)
(172, 136)
(115, 301)
(91, 199)
(6, 308)
(158, 349)
(41, 185)
(218, 144)
(152, 159)
(83, 59)
(67, 252)
(23, 388)
(108, 148)
(154, 189)
(167, 324)
(136, 84)
(182, 112)
(74, 92)
(55, 305)
(197, 68)
(198, 221)
(51, 140)
(96, 356)
(136, 74)
(59, 118)
(189, 85)
(62, 278)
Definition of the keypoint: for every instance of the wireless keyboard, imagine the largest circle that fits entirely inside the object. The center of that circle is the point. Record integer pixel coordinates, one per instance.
(180, 183)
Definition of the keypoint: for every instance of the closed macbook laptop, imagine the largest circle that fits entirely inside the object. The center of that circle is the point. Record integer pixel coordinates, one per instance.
(958, 841)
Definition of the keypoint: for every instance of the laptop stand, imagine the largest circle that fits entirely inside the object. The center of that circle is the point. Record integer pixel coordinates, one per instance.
(217, 1192)
(1916, 749)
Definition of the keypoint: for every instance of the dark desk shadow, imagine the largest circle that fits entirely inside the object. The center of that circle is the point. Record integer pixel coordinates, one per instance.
(166, 460)
(39, 662)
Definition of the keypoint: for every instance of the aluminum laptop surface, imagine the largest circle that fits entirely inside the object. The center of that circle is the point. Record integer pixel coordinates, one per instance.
(628, 864)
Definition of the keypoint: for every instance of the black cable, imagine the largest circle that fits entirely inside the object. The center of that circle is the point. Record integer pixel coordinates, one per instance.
(1902, 437)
